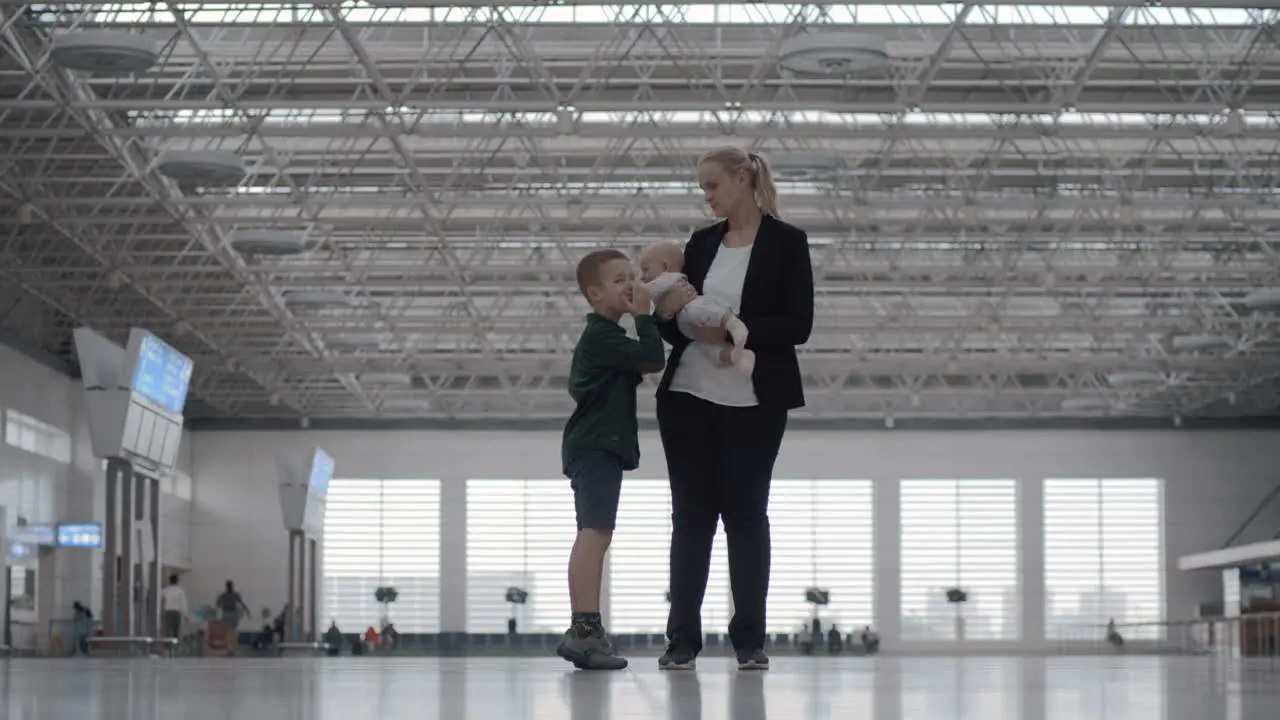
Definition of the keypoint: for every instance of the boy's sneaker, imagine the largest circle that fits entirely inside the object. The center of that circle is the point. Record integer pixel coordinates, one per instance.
(676, 659)
(753, 660)
(590, 652)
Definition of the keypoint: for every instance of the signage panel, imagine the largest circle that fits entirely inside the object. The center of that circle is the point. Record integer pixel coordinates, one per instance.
(79, 535)
(321, 473)
(162, 374)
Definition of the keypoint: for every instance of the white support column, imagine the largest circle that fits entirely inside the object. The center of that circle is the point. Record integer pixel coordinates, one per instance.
(1030, 505)
(886, 568)
(453, 555)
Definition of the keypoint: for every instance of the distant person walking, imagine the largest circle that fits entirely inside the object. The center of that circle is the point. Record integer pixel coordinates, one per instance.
(173, 608)
(230, 604)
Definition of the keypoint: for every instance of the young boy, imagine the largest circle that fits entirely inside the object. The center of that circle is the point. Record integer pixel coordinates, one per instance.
(601, 439)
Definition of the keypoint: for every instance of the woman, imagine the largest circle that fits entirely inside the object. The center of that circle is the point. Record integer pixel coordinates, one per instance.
(720, 429)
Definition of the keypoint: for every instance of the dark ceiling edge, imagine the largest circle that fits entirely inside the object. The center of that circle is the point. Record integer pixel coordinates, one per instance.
(903, 424)
(32, 351)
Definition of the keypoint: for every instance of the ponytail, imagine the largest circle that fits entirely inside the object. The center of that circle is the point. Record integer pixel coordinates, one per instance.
(762, 182)
(734, 159)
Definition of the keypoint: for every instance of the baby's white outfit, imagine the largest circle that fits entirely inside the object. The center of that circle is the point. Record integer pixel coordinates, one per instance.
(702, 312)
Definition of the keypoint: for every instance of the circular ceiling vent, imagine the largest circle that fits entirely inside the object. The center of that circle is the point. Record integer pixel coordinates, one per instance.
(1201, 343)
(1135, 379)
(269, 242)
(104, 52)
(316, 298)
(1266, 299)
(800, 166)
(1086, 405)
(833, 53)
(208, 168)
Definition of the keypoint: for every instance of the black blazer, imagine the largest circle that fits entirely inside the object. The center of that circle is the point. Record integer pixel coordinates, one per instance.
(777, 306)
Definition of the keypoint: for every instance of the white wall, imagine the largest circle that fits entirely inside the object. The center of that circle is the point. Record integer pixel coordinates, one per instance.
(41, 489)
(1213, 480)
(44, 490)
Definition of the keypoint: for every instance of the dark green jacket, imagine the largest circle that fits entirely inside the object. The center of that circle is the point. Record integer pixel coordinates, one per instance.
(607, 366)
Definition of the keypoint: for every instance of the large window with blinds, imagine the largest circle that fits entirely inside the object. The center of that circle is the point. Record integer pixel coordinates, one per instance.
(378, 533)
(519, 533)
(963, 535)
(822, 537)
(1102, 556)
(639, 564)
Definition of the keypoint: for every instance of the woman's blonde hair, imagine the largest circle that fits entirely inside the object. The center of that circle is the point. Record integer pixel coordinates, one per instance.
(735, 159)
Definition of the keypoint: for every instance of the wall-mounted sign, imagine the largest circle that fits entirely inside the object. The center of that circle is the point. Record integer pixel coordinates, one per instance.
(80, 535)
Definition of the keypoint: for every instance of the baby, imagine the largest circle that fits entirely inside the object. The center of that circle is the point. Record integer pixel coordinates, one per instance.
(660, 270)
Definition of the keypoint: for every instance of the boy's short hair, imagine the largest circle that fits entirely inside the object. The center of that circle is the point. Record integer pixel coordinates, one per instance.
(589, 267)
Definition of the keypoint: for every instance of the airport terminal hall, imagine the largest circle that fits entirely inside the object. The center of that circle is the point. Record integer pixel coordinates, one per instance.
(564, 360)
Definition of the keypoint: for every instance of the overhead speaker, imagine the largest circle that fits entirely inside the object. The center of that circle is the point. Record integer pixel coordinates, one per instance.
(269, 242)
(104, 52)
(1265, 299)
(1201, 343)
(354, 341)
(828, 54)
(316, 298)
(206, 168)
(1135, 379)
(1086, 405)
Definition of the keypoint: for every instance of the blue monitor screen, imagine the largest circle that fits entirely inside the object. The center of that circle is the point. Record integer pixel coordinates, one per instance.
(80, 535)
(162, 374)
(321, 473)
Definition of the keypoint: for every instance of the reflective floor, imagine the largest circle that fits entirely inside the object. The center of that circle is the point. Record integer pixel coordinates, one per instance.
(1121, 688)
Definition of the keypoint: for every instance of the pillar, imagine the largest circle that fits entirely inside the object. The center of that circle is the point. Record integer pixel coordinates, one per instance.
(311, 629)
(117, 612)
(886, 568)
(1032, 619)
(304, 613)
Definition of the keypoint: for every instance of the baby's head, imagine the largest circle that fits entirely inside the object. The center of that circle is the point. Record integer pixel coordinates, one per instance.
(658, 258)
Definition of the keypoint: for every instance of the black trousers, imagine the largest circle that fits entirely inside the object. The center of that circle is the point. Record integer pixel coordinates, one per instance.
(720, 463)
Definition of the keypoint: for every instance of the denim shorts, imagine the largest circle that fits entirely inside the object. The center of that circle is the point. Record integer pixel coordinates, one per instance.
(596, 479)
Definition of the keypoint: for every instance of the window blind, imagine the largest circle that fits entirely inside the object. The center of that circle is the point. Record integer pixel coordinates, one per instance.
(822, 536)
(519, 533)
(376, 533)
(959, 534)
(1103, 551)
(639, 564)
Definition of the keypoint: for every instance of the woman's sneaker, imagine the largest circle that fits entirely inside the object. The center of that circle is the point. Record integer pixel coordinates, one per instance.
(753, 660)
(676, 659)
(590, 652)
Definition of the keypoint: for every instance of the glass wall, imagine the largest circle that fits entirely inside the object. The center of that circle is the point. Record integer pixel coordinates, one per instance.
(1102, 551)
(959, 535)
(382, 533)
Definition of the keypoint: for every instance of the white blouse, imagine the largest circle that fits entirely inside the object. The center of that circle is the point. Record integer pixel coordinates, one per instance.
(700, 372)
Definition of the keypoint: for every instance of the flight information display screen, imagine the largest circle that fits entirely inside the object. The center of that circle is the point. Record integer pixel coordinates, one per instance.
(321, 473)
(162, 374)
(79, 535)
